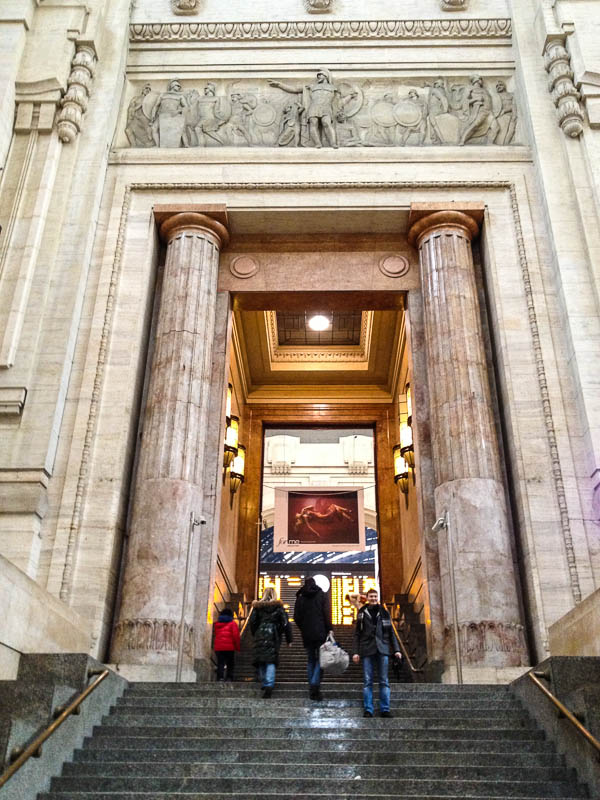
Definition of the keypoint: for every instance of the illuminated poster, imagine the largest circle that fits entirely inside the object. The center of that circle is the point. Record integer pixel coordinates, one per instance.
(318, 519)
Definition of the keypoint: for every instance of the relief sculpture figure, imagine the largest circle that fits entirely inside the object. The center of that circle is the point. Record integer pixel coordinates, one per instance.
(480, 119)
(437, 104)
(205, 116)
(290, 125)
(411, 116)
(168, 116)
(319, 101)
(139, 118)
(507, 115)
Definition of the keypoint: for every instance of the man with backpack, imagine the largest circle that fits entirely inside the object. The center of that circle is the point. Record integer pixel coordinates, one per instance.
(374, 641)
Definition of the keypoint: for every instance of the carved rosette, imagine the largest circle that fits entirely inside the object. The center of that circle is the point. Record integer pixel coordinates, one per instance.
(74, 103)
(564, 93)
(152, 635)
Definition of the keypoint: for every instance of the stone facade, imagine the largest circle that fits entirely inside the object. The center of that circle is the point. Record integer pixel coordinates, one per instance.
(256, 121)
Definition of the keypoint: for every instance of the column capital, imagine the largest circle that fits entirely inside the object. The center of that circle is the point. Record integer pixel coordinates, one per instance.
(425, 218)
(211, 219)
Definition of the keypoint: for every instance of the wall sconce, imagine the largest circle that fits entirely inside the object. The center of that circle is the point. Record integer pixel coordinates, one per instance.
(401, 471)
(406, 444)
(231, 440)
(228, 404)
(236, 473)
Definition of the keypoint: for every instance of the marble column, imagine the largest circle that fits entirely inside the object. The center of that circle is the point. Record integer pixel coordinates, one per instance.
(467, 468)
(170, 470)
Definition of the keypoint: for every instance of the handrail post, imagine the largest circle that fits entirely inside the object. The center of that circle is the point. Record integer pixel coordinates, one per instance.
(194, 522)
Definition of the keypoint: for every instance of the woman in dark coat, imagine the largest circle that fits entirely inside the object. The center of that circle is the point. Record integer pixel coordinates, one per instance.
(313, 616)
(268, 623)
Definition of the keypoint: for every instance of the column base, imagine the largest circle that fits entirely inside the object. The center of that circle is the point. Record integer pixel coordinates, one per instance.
(494, 675)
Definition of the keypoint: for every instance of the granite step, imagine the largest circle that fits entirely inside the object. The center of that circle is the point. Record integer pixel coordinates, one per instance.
(370, 730)
(104, 740)
(430, 706)
(413, 689)
(260, 795)
(415, 720)
(291, 787)
(288, 768)
(236, 755)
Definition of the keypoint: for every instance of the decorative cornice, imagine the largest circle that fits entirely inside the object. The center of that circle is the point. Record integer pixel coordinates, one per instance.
(498, 28)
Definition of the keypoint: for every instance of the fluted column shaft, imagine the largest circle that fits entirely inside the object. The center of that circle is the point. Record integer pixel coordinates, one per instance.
(169, 474)
(467, 467)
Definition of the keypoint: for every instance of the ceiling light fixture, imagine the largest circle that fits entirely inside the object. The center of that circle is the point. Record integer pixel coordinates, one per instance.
(319, 322)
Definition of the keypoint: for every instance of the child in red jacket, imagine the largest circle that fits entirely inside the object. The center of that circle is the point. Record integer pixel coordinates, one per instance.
(227, 641)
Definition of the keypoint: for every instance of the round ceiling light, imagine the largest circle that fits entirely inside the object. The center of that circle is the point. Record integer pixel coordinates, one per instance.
(318, 323)
(322, 582)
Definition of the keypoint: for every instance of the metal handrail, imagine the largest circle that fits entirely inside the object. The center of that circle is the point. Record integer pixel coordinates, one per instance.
(565, 711)
(35, 747)
(412, 667)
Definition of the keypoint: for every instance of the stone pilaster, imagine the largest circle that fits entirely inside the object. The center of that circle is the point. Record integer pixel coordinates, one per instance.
(170, 471)
(467, 468)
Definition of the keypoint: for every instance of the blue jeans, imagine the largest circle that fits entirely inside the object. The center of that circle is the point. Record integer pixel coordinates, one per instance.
(313, 667)
(266, 673)
(368, 663)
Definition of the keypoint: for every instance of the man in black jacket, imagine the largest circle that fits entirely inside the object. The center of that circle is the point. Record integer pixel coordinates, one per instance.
(374, 641)
(313, 616)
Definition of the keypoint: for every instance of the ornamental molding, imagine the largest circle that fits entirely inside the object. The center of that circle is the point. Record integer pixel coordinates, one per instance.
(85, 472)
(79, 85)
(563, 91)
(497, 28)
(329, 354)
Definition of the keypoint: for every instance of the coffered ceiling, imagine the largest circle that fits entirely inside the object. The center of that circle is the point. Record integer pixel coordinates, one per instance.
(273, 371)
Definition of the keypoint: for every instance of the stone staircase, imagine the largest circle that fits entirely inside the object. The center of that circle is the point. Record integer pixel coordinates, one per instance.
(224, 742)
(292, 660)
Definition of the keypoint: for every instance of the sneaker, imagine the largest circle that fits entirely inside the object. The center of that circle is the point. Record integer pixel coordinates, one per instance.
(367, 713)
(267, 692)
(318, 695)
(312, 693)
(386, 714)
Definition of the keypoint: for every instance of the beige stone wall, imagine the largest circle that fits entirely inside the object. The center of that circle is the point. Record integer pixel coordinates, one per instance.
(79, 255)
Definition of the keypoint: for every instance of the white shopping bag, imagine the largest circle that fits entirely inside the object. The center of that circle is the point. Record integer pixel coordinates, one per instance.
(332, 658)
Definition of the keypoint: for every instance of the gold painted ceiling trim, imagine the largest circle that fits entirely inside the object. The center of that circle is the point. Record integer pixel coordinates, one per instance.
(316, 356)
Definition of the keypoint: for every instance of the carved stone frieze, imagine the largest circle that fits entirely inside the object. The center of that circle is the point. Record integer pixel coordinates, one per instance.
(74, 103)
(323, 112)
(488, 636)
(497, 28)
(152, 634)
(564, 93)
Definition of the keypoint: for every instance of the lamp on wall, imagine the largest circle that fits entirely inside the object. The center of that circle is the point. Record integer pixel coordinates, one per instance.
(406, 444)
(228, 404)
(236, 472)
(401, 471)
(231, 440)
